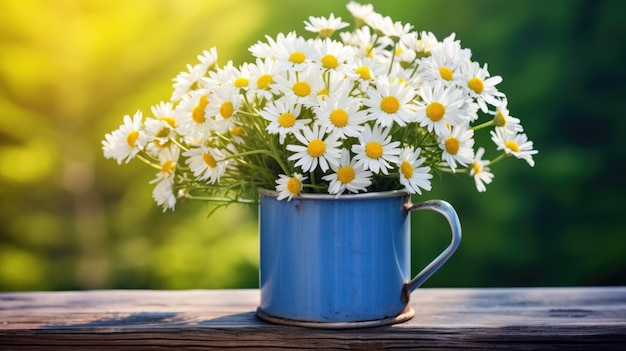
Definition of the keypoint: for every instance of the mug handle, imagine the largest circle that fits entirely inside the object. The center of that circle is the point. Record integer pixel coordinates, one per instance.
(449, 213)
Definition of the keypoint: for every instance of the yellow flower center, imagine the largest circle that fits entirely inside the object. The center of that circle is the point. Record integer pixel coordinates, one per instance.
(323, 94)
(209, 159)
(326, 32)
(316, 148)
(476, 84)
(264, 81)
(301, 89)
(401, 80)
(390, 104)
(452, 145)
(197, 113)
(168, 167)
(131, 138)
(161, 144)
(512, 145)
(294, 186)
(236, 131)
(339, 118)
(241, 82)
(297, 57)
(373, 150)
(329, 61)
(476, 167)
(445, 73)
(364, 72)
(407, 169)
(227, 109)
(345, 174)
(169, 120)
(499, 120)
(435, 111)
(164, 132)
(286, 120)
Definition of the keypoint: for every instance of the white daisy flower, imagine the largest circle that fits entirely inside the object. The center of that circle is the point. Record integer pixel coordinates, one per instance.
(316, 149)
(348, 176)
(516, 144)
(405, 57)
(390, 102)
(422, 44)
(192, 79)
(262, 77)
(443, 65)
(367, 44)
(503, 119)
(340, 113)
(224, 102)
(301, 88)
(479, 169)
(470, 110)
(375, 149)
(206, 163)
(324, 27)
(163, 192)
(221, 76)
(365, 71)
(480, 87)
(406, 77)
(125, 142)
(185, 81)
(243, 76)
(293, 51)
(440, 106)
(360, 12)
(164, 112)
(412, 176)
(450, 42)
(332, 55)
(267, 50)
(191, 114)
(160, 134)
(458, 146)
(283, 118)
(208, 58)
(386, 26)
(288, 187)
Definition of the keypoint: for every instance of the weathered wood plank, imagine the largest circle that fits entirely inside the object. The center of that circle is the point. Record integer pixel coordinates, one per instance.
(529, 318)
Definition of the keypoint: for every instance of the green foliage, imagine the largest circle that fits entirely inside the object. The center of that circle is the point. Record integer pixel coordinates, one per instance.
(71, 220)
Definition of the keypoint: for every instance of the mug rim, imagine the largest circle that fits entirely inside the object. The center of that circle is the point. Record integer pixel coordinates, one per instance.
(368, 195)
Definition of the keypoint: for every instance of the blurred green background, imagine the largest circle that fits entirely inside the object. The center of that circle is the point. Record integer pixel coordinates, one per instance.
(70, 69)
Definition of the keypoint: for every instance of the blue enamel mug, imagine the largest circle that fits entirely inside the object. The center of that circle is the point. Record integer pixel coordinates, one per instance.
(341, 262)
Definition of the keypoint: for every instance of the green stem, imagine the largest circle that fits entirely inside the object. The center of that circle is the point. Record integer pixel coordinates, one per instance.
(219, 199)
(313, 183)
(373, 45)
(148, 162)
(484, 125)
(416, 67)
(249, 114)
(498, 159)
(183, 147)
(393, 56)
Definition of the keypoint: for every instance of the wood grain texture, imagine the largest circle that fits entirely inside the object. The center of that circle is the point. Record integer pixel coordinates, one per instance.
(527, 318)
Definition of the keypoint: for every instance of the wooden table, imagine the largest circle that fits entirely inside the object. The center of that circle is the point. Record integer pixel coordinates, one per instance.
(589, 318)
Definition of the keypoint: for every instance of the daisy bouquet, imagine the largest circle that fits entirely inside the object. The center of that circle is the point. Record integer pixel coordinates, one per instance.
(375, 108)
